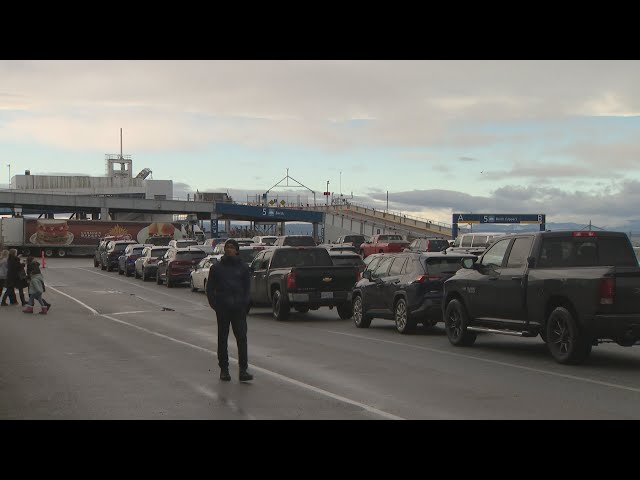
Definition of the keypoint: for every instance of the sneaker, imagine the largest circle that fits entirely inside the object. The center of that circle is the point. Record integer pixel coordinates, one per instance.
(245, 376)
(224, 375)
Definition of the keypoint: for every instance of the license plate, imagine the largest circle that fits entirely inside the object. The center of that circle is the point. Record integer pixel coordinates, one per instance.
(326, 294)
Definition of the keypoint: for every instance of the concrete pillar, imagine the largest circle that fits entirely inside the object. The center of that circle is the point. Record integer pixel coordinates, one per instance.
(227, 226)
(282, 230)
(315, 232)
(104, 214)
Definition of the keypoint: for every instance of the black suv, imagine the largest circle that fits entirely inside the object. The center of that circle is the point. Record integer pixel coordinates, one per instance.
(405, 287)
(434, 244)
(110, 255)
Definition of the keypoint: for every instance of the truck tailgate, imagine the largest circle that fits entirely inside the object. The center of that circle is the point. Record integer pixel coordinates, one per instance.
(627, 291)
(325, 279)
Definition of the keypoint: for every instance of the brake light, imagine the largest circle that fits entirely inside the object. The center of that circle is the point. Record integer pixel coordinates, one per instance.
(424, 278)
(607, 290)
(584, 234)
(291, 281)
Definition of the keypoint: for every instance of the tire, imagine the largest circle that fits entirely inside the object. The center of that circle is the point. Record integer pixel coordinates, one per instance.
(109, 268)
(345, 311)
(102, 266)
(48, 252)
(169, 283)
(135, 273)
(564, 340)
(193, 288)
(281, 306)
(96, 263)
(456, 321)
(404, 322)
(302, 308)
(120, 272)
(360, 318)
(26, 252)
(62, 253)
(158, 279)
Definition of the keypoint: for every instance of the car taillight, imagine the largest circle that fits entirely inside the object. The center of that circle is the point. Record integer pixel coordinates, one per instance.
(607, 290)
(424, 278)
(584, 234)
(291, 281)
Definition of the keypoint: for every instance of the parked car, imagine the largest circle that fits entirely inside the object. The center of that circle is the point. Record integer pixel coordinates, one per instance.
(208, 249)
(428, 244)
(214, 242)
(111, 253)
(474, 243)
(265, 239)
(339, 248)
(355, 240)
(146, 265)
(574, 289)
(127, 261)
(200, 273)
(244, 240)
(175, 266)
(383, 243)
(346, 257)
(102, 245)
(295, 241)
(404, 287)
(182, 243)
(247, 252)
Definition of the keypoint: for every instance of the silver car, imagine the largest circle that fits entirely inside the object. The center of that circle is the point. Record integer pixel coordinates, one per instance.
(200, 273)
(146, 264)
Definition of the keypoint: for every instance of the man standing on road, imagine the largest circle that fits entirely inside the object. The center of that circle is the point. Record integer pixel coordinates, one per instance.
(228, 295)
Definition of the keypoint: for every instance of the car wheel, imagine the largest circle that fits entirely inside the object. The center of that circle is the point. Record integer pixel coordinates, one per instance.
(302, 308)
(456, 322)
(158, 279)
(48, 252)
(281, 307)
(360, 318)
(135, 273)
(193, 288)
(103, 266)
(62, 253)
(169, 283)
(345, 311)
(564, 339)
(404, 323)
(127, 272)
(120, 272)
(96, 263)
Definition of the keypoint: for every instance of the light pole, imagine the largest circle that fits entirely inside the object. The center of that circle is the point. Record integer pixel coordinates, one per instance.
(340, 184)
(9, 165)
(327, 193)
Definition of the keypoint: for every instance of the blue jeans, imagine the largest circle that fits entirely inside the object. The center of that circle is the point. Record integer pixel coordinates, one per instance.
(37, 296)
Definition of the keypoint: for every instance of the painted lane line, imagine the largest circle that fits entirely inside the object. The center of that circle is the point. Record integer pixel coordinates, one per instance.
(135, 311)
(228, 403)
(95, 312)
(284, 378)
(496, 362)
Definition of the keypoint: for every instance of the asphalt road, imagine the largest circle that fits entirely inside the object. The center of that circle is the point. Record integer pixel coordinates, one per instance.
(117, 348)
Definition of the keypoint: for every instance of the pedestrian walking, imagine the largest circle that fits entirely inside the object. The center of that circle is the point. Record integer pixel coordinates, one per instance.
(4, 254)
(36, 289)
(16, 278)
(228, 295)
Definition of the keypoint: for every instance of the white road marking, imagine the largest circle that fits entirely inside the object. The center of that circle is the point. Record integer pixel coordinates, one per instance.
(95, 312)
(487, 360)
(135, 311)
(258, 369)
(229, 403)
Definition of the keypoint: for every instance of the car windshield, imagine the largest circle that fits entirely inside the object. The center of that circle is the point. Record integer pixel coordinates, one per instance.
(347, 260)
(120, 247)
(158, 252)
(248, 255)
(137, 251)
(186, 243)
(299, 242)
(386, 238)
(443, 265)
(268, 240)
(301, 258)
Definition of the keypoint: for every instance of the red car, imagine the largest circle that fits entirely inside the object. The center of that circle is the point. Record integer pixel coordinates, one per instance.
(175, 267)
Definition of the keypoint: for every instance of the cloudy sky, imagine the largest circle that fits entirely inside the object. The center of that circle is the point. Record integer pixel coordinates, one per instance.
(554, 137)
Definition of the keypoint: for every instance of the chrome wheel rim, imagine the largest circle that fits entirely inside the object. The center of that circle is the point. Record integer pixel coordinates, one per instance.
(357, 311)
(454, 323)
(561, 335)
(401, 316)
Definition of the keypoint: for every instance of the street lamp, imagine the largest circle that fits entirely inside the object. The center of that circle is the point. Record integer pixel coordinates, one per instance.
(326, 192)
(9, 165)
(340, 184)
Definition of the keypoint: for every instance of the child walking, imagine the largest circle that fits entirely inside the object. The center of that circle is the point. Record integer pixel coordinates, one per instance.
(36, 289)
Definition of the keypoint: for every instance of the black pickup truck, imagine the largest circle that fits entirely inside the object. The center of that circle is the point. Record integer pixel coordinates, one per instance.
(301, 277)
(574, 289)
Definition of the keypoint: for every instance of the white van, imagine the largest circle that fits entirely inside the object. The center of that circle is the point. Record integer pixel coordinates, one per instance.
(474, 243)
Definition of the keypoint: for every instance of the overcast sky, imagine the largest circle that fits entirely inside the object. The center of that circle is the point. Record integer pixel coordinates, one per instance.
(554, 137)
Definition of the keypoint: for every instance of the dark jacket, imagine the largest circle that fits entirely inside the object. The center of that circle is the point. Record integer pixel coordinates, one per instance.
(228, 284)
(14, 267)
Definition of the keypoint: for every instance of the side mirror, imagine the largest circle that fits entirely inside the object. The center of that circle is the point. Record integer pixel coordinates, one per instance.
(367, 274)
(468, 262)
